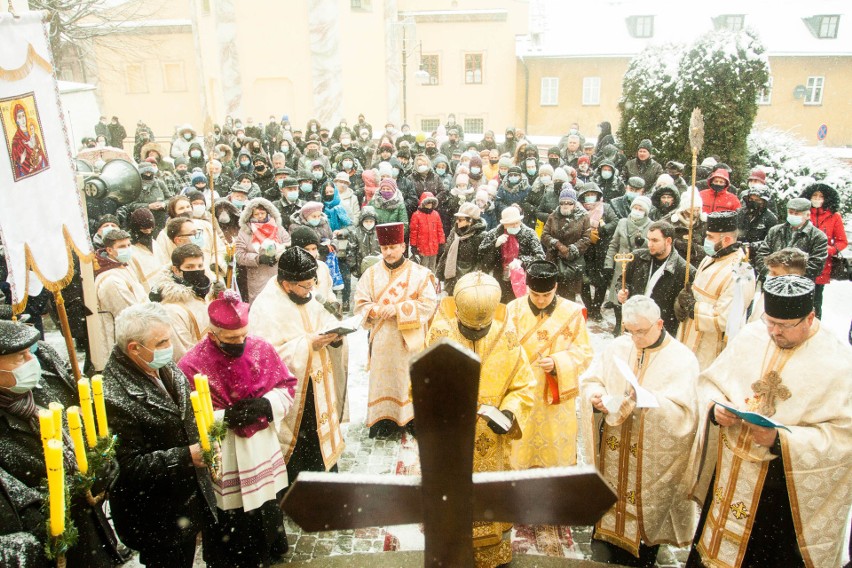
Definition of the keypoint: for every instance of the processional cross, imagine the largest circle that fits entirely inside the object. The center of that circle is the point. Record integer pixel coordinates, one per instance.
(448, 497)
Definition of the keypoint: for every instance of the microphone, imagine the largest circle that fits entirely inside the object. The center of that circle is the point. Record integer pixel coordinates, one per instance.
(333, 307)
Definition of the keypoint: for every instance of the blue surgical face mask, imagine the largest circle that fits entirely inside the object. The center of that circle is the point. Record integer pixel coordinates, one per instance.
(279, 183)
(306, 187)
(513, 230)
(606, 174)
(631, 195)
(124, 255)
(475, 170)
(162, 357)
(238, 204)
(292, 195)
(590, 198)
(795, 220)
(347, 164)
(514, 180)
(314, 222)
(27, 377)
(531, 171)
(709, 247)
(317, 174)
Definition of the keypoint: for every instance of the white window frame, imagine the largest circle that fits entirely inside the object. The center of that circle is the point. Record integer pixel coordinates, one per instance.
(764, 96)
(643, 26)
(127, 75)
(591, 91)
(469, 128)
(429, 130)
(172, 88)
(827, 26)
(549, 91)
(815, 86)
(733, 22)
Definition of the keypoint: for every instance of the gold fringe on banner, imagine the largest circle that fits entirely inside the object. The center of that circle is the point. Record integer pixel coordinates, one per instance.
(33, 58)
(52, 286)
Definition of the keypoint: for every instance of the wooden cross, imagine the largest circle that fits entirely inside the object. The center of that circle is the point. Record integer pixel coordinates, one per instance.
(448, 497)
(623, 258)
(767, 390)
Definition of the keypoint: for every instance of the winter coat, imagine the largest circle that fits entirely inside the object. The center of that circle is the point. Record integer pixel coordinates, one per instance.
(658, 212)
(752, 229)
(565, 240)
(409, 194)
(323, 230)
(351, 203)
(23, 525)
(721, 201)
(22, 457)
(187, 312)
(426, 233)
(620, 206)
(390, 210)
(361, 243)
(491, 258)
(612, 187)
(449, 202)
(595, 255)
(286, 210)
(666, 288)
(649, 170)
(507, 196)
(699, 231)
(248, 255)
(468, 258)
(430, 181)
(808, 239)
(629, 235)
(547, 204)
(158, 489)
(832, 225)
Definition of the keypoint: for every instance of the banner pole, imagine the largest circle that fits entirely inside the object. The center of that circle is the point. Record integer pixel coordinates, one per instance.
(66, 333)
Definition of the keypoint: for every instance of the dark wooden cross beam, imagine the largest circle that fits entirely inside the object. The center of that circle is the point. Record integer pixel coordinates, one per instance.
(448, 497)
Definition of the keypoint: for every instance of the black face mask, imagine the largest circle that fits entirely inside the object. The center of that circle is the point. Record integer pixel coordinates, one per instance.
(232, 349)
(717, 187)
(754, 205)
(260, 168)
(147, 177)
(431, 151)
(198, 281)
(553, 162)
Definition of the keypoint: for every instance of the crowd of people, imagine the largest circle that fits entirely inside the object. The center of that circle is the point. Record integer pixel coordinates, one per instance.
(244, 251)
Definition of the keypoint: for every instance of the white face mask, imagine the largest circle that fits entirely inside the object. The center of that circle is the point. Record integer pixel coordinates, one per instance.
(198, 211)
(637, 214)
(423, 168)
(27, 377)
(545, 180)
(368, 225)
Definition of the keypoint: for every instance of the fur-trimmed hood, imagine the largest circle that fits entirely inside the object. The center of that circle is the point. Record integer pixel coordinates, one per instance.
(171, 291)
(246, 214)
(831, 200)
(151, 146)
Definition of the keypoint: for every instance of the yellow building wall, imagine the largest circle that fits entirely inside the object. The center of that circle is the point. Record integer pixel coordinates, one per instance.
(791, 114)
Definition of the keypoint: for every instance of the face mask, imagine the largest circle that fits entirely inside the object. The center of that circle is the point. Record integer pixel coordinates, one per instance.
(709, 247)
(423, 169)
(196, 278)
(162, 357)
(27, 377)
(285, 149)
(279, 183)
(345, 141)
(717, 187)
(514, 180)
(631, 195)
(816, 203)
(306, 187)
(317, 175)
(531, 171)
(233, 349)
(198, 211)
(503, 172)
(475, 171)
(312, 154)
(606, 174)
(292, 195)
(224, 218)
(245, 163)
(493, 162)
(513, 230)
(347, 164)
(368, 225)
(795, 220)
(314, 222)
(195, 154)
(545, 180)
(431, 151)
(754, 205)
(386, 194)
(147, 177)
(246, 186)
(566, 209)
(590, 198)
(124, 255)
(553, 162)
(440, 171)
(187, 136)
(260, 168)
(239, 204)
(198, 240)
(636, 214)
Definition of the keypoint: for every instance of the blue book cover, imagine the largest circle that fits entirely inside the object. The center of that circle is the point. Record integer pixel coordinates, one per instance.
(753, 417)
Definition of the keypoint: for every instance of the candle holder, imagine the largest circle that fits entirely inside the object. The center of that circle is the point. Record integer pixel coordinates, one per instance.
(213, 456)
(100, 457)
(56, 547)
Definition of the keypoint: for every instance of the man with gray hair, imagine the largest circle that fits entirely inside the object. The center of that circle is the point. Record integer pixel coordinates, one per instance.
(163, 496)
(798, 232)
(643, 446)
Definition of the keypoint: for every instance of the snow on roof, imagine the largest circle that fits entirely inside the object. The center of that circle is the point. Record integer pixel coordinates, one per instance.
(600, 29)
(74, 87)
(132, 24)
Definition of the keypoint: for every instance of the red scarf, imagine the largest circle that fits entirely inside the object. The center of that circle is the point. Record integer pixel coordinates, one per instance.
(510, 250)
(263, 231)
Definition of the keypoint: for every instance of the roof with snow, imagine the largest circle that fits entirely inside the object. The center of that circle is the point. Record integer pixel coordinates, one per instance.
(608, 28)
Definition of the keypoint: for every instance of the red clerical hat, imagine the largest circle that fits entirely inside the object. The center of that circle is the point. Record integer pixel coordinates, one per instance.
(228, 311)
(390, 234)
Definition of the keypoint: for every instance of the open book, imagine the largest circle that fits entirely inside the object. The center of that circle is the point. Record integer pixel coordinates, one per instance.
(753, 417)
(346, 326)
(494, 414)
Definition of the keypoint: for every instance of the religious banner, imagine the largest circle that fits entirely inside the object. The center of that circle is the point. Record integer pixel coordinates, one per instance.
(41, 215)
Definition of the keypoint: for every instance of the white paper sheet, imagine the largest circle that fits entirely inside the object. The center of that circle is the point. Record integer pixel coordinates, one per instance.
(644, 398)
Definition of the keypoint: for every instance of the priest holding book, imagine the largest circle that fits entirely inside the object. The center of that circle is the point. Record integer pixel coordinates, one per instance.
(772, 496)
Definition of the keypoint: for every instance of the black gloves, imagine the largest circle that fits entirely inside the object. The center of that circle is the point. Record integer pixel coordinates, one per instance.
(267, 260)
(496, 428)
(684, 305)
(105, 478)
(248, 411)
(639, 242)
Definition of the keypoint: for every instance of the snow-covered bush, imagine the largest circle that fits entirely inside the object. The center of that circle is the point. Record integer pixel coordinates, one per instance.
(791, 165)
(719, 73)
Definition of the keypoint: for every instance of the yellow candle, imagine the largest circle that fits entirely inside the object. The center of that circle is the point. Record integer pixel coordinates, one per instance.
(75, 428)
(100, 407)
(195, 399)
(202, 385)
(48, 430)
(87, 411)
(55, 485)
(56, 409)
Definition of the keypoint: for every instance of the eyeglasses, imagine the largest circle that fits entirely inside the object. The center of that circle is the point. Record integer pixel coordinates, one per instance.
(781, 326)
(637, 333)
(307, 288)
